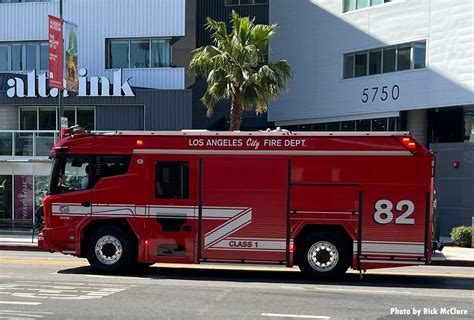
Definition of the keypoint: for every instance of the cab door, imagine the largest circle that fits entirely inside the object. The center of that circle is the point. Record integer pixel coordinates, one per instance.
(171, 211)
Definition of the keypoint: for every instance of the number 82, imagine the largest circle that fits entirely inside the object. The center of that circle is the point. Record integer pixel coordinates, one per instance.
(383, 212)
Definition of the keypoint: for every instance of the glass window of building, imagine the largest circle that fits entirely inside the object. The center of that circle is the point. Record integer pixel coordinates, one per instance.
(86, 117)
(350, 5)
(160, 53)
(363, 4)
(348, 66)
(118, 54)
(333, 126)
(6, 207)
(16, 57)
(6, 144)
(420, 55)
(3, 57)
(139, 54)
(348, 126)
(361, 64)
(31, 56)
(44, 118)
(392, 124)
(389, 58)
(47, 119)
(41, 189)
(23, 56)
(244, 2)
(383, 60)
(379, 124)
(70, 114)
(375, 61)
(403, 57)
(28, 119)
(319, 127)
(44, 56)
(363, 125)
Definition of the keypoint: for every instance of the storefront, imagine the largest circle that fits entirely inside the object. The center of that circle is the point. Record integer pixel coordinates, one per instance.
(28, 129)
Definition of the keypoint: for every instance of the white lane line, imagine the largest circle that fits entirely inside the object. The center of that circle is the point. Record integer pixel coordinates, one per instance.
(21, 302)
(301, 316)
(348, 290)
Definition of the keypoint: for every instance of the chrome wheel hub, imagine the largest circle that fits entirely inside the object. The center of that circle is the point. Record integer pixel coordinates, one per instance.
(323, 256)
(108, 250)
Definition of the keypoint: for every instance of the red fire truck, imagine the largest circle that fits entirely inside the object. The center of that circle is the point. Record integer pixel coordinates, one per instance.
(322, 201)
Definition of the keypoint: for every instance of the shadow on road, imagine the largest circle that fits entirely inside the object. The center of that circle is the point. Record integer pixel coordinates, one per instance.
(291, 277)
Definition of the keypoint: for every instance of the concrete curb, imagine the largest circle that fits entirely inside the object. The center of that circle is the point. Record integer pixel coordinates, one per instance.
(20, 247)
(453, 263)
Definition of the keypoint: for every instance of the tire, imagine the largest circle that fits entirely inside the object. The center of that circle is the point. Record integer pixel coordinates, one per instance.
(111, 250)
(323, 255)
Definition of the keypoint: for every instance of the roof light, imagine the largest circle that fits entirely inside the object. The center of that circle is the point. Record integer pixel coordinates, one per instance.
(409, 143)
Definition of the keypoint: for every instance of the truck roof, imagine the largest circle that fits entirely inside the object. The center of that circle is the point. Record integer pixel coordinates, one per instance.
(254, 133)
(276, 142)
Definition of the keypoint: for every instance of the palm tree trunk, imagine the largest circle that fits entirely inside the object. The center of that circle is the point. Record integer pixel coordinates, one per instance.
(235, 114)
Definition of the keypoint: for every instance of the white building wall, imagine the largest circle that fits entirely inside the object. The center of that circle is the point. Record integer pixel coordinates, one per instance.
(98, 21)
(314, 35)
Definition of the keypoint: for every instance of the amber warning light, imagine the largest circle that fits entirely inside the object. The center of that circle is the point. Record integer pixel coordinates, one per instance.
(139, 142)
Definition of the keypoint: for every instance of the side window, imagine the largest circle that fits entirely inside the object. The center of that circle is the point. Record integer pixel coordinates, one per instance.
(71, 174)
(172, 179)
(111, 165)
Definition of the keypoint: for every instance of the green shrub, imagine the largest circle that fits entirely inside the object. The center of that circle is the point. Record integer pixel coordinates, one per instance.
(462, 236)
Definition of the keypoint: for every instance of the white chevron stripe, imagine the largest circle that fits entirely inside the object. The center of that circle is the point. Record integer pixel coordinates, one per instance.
(234, 224)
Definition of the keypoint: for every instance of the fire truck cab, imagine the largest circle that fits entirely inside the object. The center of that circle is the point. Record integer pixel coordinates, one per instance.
(322, 201)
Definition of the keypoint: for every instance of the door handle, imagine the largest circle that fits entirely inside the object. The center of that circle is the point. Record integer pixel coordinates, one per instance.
(86, 204)
(187, 228)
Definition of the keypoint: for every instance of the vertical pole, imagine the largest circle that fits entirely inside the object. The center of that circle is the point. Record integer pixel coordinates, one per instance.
(60, 92)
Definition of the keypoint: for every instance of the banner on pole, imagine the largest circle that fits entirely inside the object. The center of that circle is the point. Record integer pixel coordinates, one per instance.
(72, 69)
(55, 52)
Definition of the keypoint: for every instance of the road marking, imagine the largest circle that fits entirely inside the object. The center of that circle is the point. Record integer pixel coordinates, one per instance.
(27, 303)
(60, 291)
(301, 316)
(16, 314)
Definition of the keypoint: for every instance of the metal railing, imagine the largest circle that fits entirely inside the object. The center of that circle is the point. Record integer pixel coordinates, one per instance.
(27, 143)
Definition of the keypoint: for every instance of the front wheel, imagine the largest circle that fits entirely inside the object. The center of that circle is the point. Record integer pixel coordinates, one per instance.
(323, 255)
(110, 250)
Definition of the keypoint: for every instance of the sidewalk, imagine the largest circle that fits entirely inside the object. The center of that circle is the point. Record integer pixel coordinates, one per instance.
(18, 240)
(450, 256)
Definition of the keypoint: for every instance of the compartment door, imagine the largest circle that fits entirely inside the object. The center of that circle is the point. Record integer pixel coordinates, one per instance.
(243, 211)
(394, 227)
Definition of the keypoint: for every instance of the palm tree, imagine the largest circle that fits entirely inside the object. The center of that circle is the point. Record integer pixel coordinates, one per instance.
(235, 69)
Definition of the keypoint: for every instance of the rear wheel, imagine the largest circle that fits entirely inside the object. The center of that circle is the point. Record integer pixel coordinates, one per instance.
(323, 255)
(111, 250)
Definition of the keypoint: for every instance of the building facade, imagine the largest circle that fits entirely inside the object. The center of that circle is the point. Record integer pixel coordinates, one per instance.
(132, 58)
(385, 65)
(377, 65)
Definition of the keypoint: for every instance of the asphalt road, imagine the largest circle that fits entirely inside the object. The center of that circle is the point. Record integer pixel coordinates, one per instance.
(39, 285)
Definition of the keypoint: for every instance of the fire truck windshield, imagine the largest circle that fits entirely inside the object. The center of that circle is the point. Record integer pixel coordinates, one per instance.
(70, 173)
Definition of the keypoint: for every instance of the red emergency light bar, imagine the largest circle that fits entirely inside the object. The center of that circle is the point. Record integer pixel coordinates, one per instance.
(409, 143)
